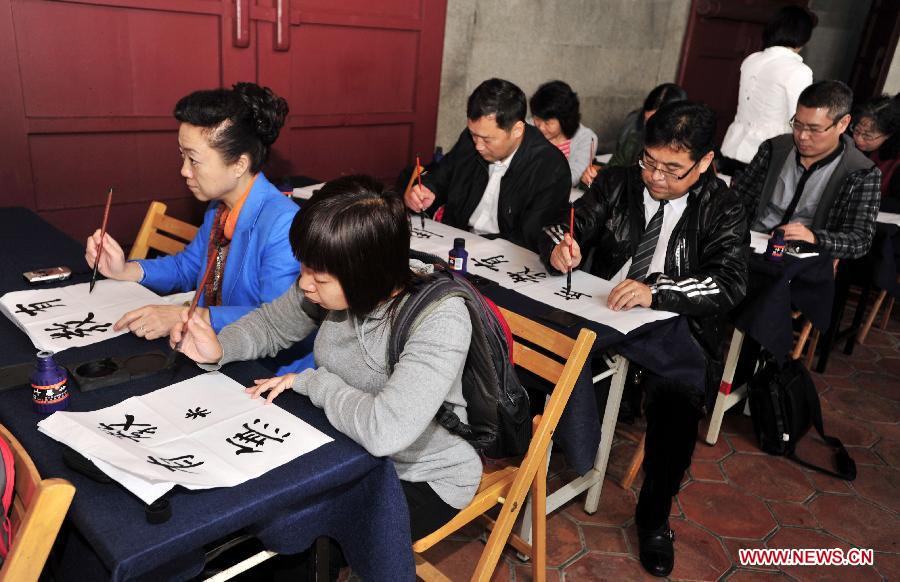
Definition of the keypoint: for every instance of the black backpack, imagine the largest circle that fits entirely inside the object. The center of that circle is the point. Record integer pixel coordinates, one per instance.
(784, 405)
(496, 402)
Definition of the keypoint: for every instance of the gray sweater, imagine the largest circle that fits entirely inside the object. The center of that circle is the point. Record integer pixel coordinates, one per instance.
(388, 414)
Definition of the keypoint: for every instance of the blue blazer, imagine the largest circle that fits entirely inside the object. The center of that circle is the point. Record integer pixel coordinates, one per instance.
(260, 264)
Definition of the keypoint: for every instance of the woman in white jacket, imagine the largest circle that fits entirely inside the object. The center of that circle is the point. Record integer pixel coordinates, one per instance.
(771, 81)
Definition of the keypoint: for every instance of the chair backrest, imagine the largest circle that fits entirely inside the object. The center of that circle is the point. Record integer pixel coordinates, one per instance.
(38, 509)
(532, 348)
(162, 233)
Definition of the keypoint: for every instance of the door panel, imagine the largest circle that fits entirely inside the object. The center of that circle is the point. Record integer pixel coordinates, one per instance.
(91, 84)
(97, 82)
(720, 34)
(362, 80)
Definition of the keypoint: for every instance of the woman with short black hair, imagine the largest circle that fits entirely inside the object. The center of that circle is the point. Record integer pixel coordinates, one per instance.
(353, 241)
(876, 133)
(224, 139)
(771, 81)
(555, 111)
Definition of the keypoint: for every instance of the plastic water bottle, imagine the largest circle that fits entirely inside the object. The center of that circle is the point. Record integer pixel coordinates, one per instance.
(49, 385)
(459, 256)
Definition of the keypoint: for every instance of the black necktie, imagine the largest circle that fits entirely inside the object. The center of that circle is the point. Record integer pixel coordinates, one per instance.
(640, 264)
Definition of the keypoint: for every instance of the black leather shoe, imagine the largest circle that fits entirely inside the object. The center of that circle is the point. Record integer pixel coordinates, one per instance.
(657, 550)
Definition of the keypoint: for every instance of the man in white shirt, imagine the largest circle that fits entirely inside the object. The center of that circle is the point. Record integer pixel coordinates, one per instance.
(502, 178)
(674, 238)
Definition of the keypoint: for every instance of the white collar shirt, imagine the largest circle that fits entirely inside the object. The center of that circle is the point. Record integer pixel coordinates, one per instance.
(484, 218)
(671, 215)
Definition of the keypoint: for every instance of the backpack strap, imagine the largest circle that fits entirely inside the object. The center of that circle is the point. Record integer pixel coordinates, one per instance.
(424, 297)
(846, 466)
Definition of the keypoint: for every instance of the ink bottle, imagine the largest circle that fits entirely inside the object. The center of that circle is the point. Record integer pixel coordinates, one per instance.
(49, 385)
(459, 256)
(775, 249)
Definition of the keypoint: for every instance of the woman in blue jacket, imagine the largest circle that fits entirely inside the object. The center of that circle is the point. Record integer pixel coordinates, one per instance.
(224, 139)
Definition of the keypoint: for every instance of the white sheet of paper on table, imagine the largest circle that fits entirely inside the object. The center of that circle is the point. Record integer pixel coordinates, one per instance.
(197, 424)
(888, 218)
(759, 241)
(485, 258)
(57, 319)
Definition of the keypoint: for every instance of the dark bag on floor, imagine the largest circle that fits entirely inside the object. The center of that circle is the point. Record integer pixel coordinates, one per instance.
(496, 403)
(784, 405)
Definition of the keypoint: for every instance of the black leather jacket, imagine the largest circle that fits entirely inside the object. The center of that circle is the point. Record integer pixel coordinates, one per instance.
(533, 191)
(706, 262)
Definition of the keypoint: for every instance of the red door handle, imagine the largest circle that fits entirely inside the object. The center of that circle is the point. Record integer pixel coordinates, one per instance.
(241, 36)
(282, 25)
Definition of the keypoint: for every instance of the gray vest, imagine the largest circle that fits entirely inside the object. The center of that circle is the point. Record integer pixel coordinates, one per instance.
(852, 161)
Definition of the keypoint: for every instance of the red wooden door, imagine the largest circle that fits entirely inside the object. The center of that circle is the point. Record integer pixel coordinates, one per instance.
(90, 88)
(91, 84)
(362, 79)
(879, 40)
(720, 34)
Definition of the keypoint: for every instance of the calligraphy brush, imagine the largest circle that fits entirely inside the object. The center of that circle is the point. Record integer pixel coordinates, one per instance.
(170, 359)
(572, 239)
(419, 177)
(102, 236)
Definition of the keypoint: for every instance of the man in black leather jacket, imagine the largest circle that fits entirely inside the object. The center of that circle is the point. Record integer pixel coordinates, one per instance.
(677, 239)
(502, 178)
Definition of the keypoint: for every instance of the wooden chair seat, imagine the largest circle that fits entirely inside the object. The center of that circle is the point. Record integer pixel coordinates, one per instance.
(559, 360)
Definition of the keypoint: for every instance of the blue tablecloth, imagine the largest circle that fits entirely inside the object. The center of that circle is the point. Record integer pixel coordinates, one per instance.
(665, 347)
(338, 490)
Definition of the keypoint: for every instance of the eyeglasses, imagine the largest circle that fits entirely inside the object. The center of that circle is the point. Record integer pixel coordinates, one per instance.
(865, 135)
(653, 168)
(801, 127)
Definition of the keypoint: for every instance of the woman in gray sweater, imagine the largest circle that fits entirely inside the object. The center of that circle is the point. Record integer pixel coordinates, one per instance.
(352, 240)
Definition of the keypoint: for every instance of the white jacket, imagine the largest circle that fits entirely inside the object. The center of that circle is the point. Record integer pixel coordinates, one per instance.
(771, 82)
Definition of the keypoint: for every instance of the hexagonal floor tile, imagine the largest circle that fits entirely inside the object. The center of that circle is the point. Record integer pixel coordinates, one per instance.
(794, 514)
(859, 522)
(610, 540)
(698, 555)
(888, 565)
(885, 385)
(601, 567)
(864, 405)
(879, 484)
(616, 506)
(563, 540)
(767, 476)
(734, 545)
(889, 451)
(851, 431)
(705, 452)
(790, 537)
(755, 576)
(726, 510)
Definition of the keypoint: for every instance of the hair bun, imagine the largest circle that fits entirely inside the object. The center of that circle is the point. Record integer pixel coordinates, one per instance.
(267, 109)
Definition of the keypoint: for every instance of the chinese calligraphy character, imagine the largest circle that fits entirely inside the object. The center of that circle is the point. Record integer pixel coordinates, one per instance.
(197, 413)
(526, 275)
(490, 262)
(175, 464)
(423, 233)
(255, 436)
(121, 430)
(570, 295)
(37, 306)
(65, 331)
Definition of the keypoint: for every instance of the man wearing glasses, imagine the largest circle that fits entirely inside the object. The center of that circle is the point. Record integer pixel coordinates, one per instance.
(674, 238)
(813, 183)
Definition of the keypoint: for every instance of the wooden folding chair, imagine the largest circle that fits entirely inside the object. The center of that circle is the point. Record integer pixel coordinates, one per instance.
(39, 507)
(508, 486)
(161, 233)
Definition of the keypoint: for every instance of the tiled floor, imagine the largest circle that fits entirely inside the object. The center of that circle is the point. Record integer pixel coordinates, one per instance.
(739, 497)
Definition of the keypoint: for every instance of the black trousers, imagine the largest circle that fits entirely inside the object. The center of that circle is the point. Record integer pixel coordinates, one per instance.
(427, 511)
(673, 412)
